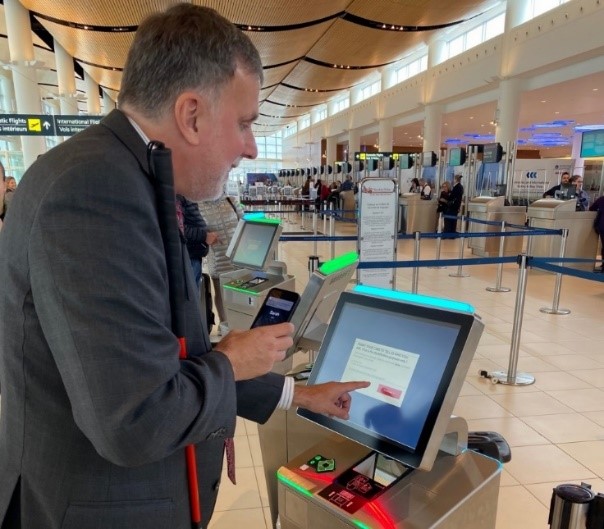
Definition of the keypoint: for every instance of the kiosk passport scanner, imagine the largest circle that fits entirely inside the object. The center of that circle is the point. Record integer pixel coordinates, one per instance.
(253, 249)
(400, 461)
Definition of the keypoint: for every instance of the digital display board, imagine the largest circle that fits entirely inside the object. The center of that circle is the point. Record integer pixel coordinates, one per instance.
(592, 143)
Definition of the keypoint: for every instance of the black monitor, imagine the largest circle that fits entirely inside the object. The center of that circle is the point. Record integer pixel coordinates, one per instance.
(318, 300)
(428, 159)
(592, 143)
(415, 351)
(405, 160)
(566, 192)
(457, 156)
(254, 242)
(492, 153)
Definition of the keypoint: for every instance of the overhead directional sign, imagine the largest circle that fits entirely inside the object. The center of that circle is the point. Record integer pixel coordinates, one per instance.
(70, 125)
(375, 155)
(43, 125)
(26, 125)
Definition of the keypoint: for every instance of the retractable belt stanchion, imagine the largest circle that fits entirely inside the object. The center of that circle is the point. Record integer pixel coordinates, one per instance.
(498, 287)
(332, 232)
(511, 377)
(314, 231)
(160, 166)
(462, 241)
(555, 309)
(439, 230)
(417, 237)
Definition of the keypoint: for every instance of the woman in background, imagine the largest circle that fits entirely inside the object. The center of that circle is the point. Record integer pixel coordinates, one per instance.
(222, 217)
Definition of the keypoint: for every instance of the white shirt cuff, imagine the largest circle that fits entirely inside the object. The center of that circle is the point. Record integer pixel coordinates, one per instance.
(287, 394)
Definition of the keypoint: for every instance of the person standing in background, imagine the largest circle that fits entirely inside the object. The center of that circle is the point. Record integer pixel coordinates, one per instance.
(198, 237)
(598, 206)
(222, 216)
(2, 194)
(453, 205)
(581, 194)
(551, 192)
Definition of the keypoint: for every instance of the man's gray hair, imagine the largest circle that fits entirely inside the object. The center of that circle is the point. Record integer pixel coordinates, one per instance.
(187, 47)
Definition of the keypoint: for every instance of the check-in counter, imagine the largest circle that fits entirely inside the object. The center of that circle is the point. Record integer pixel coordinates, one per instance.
(582, 241)
(494, 209)
(416, 214)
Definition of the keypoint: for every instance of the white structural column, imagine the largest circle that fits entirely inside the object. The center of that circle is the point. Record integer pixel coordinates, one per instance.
(388, 78)
(8, 92)
(385, 135)
(576, 154)
(516, 13)
(108, 103)
(508, 111)
(93, 102)
(437, 48)
(432, 127)
(27, 94)
(354, 143)
(66, 77)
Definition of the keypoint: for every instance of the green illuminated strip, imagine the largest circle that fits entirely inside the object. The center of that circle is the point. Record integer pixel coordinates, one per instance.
(259, 217)
(250, 292)
(293, 484)
(418, 299)
(360, 524)
(339, 263)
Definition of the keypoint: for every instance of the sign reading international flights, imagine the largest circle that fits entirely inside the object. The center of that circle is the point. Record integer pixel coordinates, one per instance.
(43, 125)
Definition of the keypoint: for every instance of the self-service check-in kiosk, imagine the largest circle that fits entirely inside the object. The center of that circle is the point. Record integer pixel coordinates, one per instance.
(494, 209)
(285, 435)
(582, 241)
(400, 461)
(253, 248)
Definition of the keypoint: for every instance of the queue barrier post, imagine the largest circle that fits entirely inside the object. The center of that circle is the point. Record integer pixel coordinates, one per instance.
(555, 309)
(498, 287)
(462, 240)
(415, 277)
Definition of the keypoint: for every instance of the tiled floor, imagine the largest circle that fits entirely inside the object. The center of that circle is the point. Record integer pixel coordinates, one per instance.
(555, 426)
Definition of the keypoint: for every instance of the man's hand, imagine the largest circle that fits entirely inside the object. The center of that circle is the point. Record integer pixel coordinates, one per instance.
(252, 353)
(331, 398)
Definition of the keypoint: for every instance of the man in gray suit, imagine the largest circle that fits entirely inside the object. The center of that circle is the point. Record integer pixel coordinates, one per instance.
(96, 405)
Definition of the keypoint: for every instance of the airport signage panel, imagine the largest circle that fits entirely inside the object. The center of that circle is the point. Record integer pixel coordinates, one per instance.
(44, 125)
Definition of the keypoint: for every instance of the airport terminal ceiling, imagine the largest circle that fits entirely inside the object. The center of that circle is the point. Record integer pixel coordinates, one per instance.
(312, 51)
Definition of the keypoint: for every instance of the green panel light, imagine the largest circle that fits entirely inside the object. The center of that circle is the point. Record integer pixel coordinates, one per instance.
(259, 217)
(418, 299)
(340, 262)
(237, 289)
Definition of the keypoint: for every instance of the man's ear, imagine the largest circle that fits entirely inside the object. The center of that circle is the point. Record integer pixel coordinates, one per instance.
(190, 110)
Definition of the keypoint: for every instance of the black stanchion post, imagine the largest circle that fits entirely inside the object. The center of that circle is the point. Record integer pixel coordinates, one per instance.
(498, 287)
(511, 377)
(314, 230)
(462, 241)
(332, 232)
(554, 309)
(439, 230)
(415, 277)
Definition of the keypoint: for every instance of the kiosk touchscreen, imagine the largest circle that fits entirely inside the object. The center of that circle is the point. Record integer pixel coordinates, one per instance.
(416, 357)
(318, 300)
(252, 249)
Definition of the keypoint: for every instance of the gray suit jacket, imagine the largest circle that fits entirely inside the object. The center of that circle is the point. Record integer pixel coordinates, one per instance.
(96, 406)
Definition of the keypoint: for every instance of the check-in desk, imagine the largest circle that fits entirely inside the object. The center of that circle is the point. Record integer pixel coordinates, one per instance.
(416, 214)
(494, 209)
(582, 241)
(244, 291)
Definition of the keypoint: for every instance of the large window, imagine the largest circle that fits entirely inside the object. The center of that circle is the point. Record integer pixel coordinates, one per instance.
(411, 68)
(476, 35)
(370, 90)
(322, 114)
(304, 123)
(290, 130)
(538, 7)
(341, 105)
